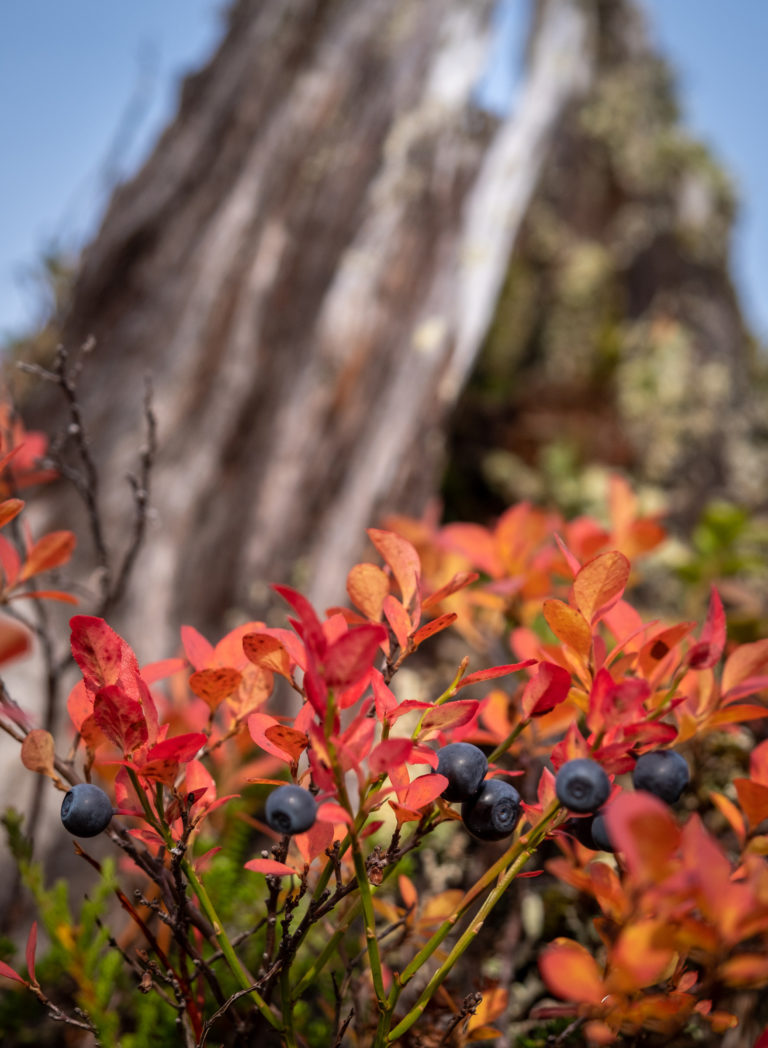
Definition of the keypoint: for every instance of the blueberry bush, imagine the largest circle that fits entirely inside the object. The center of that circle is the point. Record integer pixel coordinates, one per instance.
(274, 802)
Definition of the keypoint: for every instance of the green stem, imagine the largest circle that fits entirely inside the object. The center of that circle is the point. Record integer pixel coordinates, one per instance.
(523, 848)
(504, 746)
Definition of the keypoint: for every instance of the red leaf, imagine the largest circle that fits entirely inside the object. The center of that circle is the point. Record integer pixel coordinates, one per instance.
(9, 973)
(352, 655)
(548, 687)
(312, 631)
(258, 725)
(403, 560)
(101, 654)
(383, 696)
(31, 946)
(181, 748)
(388, 753)
(709, 650)
(198, 650)
(120, 717)
(493, 672)
(744, 663)
(429, 629)
(271, 867)
(331, 812)
(451, 715)
(51, 551)
(600, 583)
(367, 586)
(423, 790)
(10, 562)
(268, 652)
(287, 739)
(215, 685)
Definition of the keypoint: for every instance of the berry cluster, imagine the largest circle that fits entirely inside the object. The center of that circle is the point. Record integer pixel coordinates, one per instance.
(490, 808)
(583, 787)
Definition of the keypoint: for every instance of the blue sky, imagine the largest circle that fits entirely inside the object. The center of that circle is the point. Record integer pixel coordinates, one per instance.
(73, 71)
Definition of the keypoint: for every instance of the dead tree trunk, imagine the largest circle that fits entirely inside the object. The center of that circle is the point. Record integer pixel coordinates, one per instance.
(307, 266)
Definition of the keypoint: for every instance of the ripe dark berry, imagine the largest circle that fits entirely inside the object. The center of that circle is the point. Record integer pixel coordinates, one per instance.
(663, 773)
(465, 766)
(582, 785)
(291, 809)
(600, 837)
(581, 829)
(86, 810)
(493, 813)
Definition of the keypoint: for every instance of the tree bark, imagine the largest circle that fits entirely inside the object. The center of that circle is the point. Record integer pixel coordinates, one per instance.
(307, 266)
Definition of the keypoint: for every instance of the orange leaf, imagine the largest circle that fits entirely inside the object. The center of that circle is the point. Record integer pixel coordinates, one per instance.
(60, 595)
(753, 798)
(402, 559)
(569, 626)
(571, 972)
(38, 752)
(289, 740)
(747, 970)
(644, 830)
(600, 583)
(51, 551)
(268, 652)
(638, 958)
(407, 892)
(367, 586)
(9, 509)
(429, 629)
(731, 813)
(14, 641)
(458, 582)
(271, 868)
(492, 673)
(748, 660)
(214, 685)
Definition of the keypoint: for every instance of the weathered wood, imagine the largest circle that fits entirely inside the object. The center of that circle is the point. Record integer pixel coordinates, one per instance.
(307, 266)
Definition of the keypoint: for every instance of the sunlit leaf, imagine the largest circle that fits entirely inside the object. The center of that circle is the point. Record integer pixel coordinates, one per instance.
(268, 652)
(258, 726)
(387, 753)
(403, 560)
(215, 685)
(101, 654)
(571, 972)
(51, 551)
(639, 956)
(600, 583)
(287, 739)
(367, 586)
(569, 626)
(398, 619)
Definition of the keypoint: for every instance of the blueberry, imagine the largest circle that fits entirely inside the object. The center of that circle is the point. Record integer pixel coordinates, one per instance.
(86, 810)
(291, 809)
(581, 829)
(493, 813)
(663, 773)
(582, 785)
(465, 766)
(600, 837)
